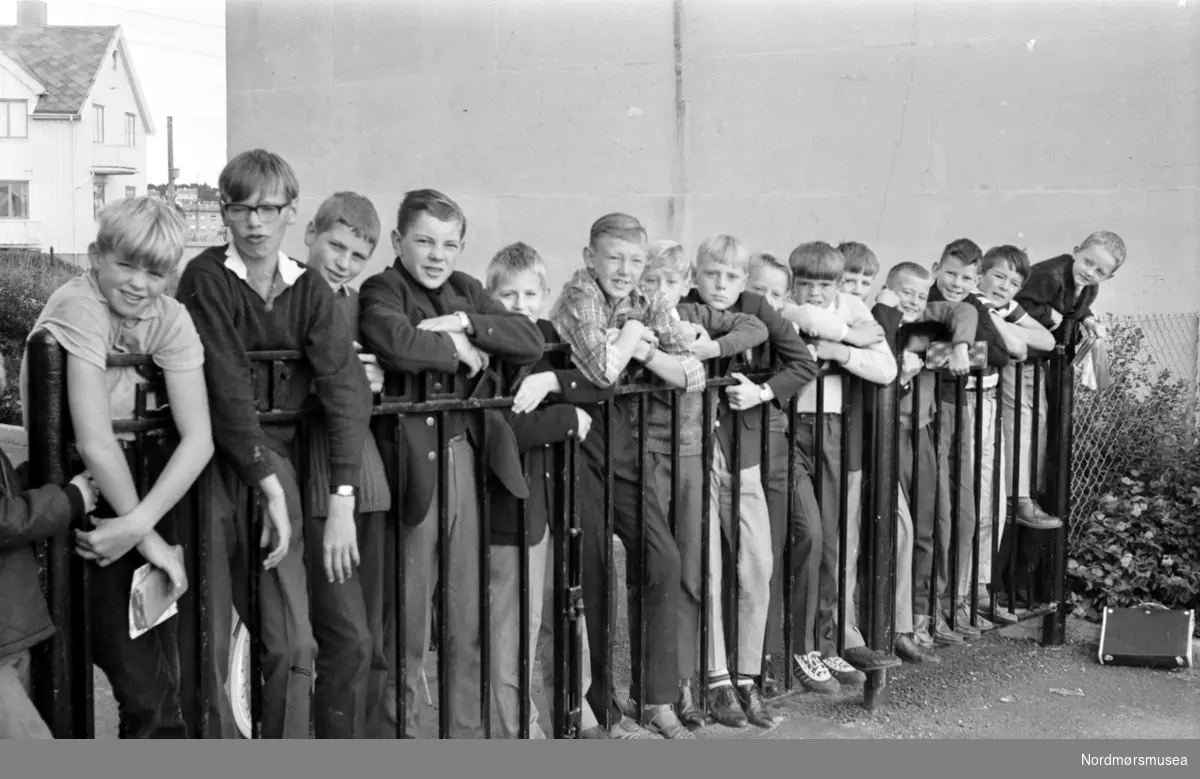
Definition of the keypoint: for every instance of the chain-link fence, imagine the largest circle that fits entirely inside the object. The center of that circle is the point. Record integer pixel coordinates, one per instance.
(1150, 403)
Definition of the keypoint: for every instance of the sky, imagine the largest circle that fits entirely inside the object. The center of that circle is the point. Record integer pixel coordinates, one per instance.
(178, 52)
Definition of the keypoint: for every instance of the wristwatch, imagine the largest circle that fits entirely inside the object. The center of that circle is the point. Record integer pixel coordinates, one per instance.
(344, 491)
(765, 393)
(466, 321)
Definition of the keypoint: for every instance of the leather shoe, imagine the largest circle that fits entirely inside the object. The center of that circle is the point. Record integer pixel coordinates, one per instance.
(724, 707)
(690, 713)
(907, 649)
(757, 711)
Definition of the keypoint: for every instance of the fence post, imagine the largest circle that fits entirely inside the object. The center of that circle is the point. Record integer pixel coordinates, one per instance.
(878, 528)
(1062, 403)
(62, 670)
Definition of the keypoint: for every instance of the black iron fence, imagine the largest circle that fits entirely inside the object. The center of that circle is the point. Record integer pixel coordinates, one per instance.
(1028, 566)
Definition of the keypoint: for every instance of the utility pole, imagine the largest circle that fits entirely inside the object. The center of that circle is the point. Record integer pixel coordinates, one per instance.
(172, 171)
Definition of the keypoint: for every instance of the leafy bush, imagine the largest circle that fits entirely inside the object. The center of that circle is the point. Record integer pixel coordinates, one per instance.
(26, 281)
(1138, 539)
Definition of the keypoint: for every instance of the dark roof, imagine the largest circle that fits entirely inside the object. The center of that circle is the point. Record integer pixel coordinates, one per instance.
(66, 60)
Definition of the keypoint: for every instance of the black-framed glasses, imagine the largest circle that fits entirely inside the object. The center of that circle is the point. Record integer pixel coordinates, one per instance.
(267, 212)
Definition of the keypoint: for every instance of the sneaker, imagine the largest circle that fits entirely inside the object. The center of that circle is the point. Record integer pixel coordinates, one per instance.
(628, 729)
(690, 714)
(942, 634)
(1031, 515)
(661, 719)
(770, 682)
(596, 731)
(846, 674)
(725, 708)
(908, 650)
(813, 674)
(757, 711)
(867, 659)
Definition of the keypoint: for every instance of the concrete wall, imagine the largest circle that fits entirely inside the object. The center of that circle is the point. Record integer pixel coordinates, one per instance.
(903, 125)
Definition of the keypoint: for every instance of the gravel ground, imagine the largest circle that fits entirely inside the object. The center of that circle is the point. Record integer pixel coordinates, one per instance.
(1001, 686)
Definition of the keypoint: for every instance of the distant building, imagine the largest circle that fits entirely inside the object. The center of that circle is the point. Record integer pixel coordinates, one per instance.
(73, 127)
(203, 220)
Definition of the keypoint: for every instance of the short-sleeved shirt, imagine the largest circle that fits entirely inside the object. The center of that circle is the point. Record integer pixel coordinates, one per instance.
(80, 319)
(1012, 313)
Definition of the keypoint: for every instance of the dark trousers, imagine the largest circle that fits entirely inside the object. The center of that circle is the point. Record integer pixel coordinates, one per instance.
(803, 525)
(283, 615)
(919, 489)
(659, 580)
(347, 622)
(144, 672)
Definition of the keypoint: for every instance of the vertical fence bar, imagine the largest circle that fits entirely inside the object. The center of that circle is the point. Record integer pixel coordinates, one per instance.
(1010, 561)
(399, 453)
(999, 521)
(818, 476)
(485, 599)
(639, 662)
(607, 609)
(935, 605)
(955, 480)
(523, 615)
(914, 493)
(576, 613)
(61, 672)
(977, 473)
(882, 482)
(729, 613)
(1054, 624)
(844, 518)
(253, 619)
(1036, 481)
(789, 603)
(443, 568)
(764, 472)
(707, 412)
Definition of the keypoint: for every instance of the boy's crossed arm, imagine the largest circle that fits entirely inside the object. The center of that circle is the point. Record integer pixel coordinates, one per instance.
(722, 333)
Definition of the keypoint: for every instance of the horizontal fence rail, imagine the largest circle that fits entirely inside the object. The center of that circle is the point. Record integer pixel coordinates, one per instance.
(997, 569)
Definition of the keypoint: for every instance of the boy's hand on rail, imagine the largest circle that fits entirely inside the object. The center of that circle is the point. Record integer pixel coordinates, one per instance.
(111, 540)
(910, 365)
(468, 354)
(744, 395)
(704, 347)
(1095, 328)
(533, 391)
(960, 360)
(888, 298)
(1055, 319)
(341, 540)
(370, 364)
(585, 424)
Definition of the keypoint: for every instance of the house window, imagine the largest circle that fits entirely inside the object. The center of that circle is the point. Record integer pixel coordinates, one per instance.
(130, 191)
(114, 62)
(14, 118)
(97, 197)
(98, 131)
(14, 199)
(130, 129)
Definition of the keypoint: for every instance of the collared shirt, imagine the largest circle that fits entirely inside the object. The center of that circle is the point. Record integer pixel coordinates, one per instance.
(80, 319)
(1012, 313)
(583, 314)
(287, 271)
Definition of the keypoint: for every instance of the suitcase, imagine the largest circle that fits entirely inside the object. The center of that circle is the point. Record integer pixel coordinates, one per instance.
(1149, 635)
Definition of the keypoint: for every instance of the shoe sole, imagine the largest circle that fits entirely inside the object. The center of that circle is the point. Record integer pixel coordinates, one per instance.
(1034, 525)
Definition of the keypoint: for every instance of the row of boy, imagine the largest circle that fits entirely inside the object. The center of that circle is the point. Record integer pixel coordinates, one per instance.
(421, 315)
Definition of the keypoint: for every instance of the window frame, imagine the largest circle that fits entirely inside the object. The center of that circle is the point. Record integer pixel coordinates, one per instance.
(130, 130)
(98, 121)
(6, 120)
(7, 196)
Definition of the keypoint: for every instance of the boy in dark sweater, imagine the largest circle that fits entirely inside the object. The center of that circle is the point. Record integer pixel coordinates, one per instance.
(28, 516)
(347, 607)
(423, 316)
(244, 297)
(956, 274)
(516, 278)
(722, 267)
